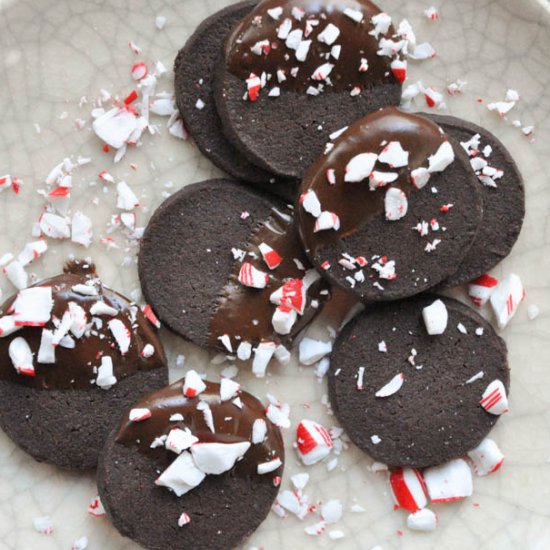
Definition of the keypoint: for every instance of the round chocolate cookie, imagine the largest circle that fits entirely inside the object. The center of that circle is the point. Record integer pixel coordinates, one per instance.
(292, 73)
(73, 354)
(411, 399)
(169, 482)
(194, 68)
(503, 198)
(391, 209)
(223, 267)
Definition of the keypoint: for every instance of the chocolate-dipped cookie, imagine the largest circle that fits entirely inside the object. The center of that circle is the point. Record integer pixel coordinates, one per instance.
(293, 72)
(418, 382)
(195, 465)
(194, 68)
(501, 185)
(73, 355)
(391, 208)
(223, 267)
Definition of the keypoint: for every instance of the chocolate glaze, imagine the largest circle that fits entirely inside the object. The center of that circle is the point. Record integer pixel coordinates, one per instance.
(245, 313)
(355, 203)
(232, 425)
(74, 368)
(354, 38)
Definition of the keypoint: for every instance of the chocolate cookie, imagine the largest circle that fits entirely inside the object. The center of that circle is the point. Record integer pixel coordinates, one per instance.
(194, 68)
(391, 209)
(73, 354)
(503, 198)
(408, 398)
(294, 72)
(197, 472)
(223, 267)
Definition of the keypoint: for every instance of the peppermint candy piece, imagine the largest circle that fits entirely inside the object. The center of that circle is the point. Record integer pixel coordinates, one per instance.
(21, 356)
(284, 319)
(311, 350)
(33, 307)
(270, 256)
(360, 167)
(121, 334)
(329, 35)
(262, 356)
(31, 252)
(310, 203)
(228, 389)
(270, 466)
(394, 155)
(408, 489)
(43, 525)
(486, 458)
(105, 377)
(184, 519)
(331, 511)
(481, 289)
(442, 158)
(54, 226)
(395, 204)
(506, 299)
(46, 351)
(181, 476)
(399, 70)
(193, 384)
(101, 308)
(115, 126)
(327, 220)
(291, 294)
(423, 520)
(81, 229)
(138, 415)
(494, 398)
(392, 387)
(259, 431)
(313, 442)
(217, 458)
(435, 318)
(252, 277)
(420, 177)
(95, 508)
(449, 482)
(179, 440)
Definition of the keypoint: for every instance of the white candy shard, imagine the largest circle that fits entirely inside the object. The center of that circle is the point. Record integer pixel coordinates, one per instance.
(101, 308)
(329, 35)
(43, 525)
(420, 177)
(327, 220)
(311, 350)
(17, 275)
(138, 415)
(423, 520)
(21, 356)
(443, 157)
(435, 318)
(31, 252)
(33, 306)
(506, 299)
(360, 167)
(182, 475)
(481, 289)
(284, 319)
(80, 544)
(252, 277)
(494, 399)
(193, 384)
(81, 229)
(278, 414)
(486, 457)
(394, 155)
(115, 126)
(244, 351)
(228, 389)
(217, 458)
(331, 511)
(96, 508)
(393, 386)
(310, 203)
(121, 334)
(105, 377)
(179, 440)
(270, 466)
(313, 442)
(126, 199)
(184, 519)
(451, 481)
(259, 431)
(46, 351)
(54, 226)
(395, 204)
(262, 355)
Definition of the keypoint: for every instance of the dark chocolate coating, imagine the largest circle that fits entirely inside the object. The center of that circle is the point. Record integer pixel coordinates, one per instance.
(364, 229)
(224, 509)
(435, 416)
(68, 427)
(195, 292)
(197, 62)
(286, 134)
(503, 207)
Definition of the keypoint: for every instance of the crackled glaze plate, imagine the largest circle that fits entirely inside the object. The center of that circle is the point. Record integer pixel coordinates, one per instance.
(53, 53)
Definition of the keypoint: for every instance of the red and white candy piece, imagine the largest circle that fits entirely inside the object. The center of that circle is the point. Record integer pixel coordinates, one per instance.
(420, 177)
(105, 377)
(139, 71)
(269, 466)
(423, 520)
(432, 13)
(278, 414)
(46, 351)
(394, 155)
(193, 384)
(480, 289)
(54, 226)
(399, 70)
(181, 476)
(284, 318)
(147, 310)
(21, 356)
(408, 489)
(494, 398)
(252, 277)
(138, 415)
(262, 356)
(379, 179)
(115, 126)
(310, 203)
(121, 334)
(16, 274)
(95, 508)
(395, 204)
(33, 307)
(435, 318)
(101, 308)
(259, 431)
(228, 389)
(486, 458)
(179, 440)
(392, 387)
(329, 35)
(31, 252)
(291, 294)
(506, 299)
(126, 198)
(327, 220)
(313, 442)
(270, 256)
(79, 319)
(360, 167)
(80, 543)
(43, 525)
(442, 158)
(184, 519)
(450, 481)
(253, 85)
(217, 458)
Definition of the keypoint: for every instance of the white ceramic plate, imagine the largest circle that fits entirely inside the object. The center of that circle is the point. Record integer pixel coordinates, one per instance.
(53, 52)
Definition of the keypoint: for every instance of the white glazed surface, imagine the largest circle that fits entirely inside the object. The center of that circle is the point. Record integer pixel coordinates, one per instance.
(52, 52)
